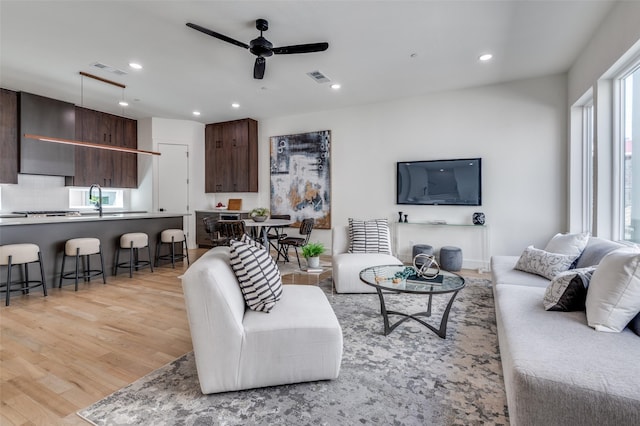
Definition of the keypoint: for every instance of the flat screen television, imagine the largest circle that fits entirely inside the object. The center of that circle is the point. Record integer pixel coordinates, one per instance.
(440, 182)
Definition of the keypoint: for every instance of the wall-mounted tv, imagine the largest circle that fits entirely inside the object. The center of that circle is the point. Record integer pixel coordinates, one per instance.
(440, 182)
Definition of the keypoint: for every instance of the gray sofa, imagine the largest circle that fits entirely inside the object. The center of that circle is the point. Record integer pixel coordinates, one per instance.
(557, 369)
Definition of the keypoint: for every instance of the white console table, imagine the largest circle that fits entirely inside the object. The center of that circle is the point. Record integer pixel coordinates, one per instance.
(471, 238)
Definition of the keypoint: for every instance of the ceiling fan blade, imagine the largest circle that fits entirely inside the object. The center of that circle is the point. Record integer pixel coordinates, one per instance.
(258, 68)
(301, 48)
(217, 35)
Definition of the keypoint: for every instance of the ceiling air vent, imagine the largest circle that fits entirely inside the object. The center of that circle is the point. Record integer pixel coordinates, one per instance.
(318, 76)
(108, 68)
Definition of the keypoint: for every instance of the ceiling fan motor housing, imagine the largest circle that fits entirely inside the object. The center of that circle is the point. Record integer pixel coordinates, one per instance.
(261, 47)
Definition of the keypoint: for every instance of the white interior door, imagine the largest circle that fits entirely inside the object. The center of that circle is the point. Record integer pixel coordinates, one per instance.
(173, 179)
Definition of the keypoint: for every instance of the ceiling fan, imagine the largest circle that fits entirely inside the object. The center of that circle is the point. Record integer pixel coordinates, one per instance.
(261, 47)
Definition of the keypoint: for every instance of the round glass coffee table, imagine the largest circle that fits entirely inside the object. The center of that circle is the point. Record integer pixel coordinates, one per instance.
(388, 278)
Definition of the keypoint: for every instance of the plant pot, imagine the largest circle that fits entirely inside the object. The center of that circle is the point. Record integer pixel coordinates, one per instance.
(259, 218)
(313, 262)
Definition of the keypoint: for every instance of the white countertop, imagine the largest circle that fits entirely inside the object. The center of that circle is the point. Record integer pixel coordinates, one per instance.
(86, 218)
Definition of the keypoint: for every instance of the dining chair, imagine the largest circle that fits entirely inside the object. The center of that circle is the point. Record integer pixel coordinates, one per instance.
(275, 232)
(286, 242)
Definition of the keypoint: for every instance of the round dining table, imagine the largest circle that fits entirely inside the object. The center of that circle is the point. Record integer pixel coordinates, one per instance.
(266, 225)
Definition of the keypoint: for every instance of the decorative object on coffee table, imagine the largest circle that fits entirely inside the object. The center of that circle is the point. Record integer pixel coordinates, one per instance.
(418, 249)
(399, 216)
(478, 218)
(428, 268)
(406, 220)
(259, 214)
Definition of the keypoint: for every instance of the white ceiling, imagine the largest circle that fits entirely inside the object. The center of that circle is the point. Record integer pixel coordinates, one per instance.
(44, 45)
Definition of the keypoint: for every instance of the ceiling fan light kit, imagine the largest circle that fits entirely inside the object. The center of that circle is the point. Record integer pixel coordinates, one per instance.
(261, 47)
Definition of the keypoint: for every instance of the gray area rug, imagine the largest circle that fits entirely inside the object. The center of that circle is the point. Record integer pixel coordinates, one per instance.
(411, 377)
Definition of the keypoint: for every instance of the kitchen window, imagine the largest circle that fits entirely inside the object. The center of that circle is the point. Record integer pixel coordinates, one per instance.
(111, 198)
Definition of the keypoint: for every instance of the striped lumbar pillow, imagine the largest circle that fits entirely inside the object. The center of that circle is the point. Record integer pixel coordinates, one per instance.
(369, 236)
(257, 274)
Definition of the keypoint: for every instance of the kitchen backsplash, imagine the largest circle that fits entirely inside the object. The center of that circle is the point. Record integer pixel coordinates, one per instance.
(37, 192)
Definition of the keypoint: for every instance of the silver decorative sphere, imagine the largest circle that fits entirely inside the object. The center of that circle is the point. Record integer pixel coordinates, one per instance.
(429, 268)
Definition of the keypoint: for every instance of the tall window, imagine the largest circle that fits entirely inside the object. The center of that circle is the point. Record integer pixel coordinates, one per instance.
(587, 167)
(630, 143)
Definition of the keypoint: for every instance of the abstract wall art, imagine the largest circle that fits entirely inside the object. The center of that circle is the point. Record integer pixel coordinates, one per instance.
(301, 177)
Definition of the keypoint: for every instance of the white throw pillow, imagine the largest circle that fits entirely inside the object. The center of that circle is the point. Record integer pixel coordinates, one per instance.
(369, 236)
(571, 244)
(543, 263)
(613, 298)
(257, 274)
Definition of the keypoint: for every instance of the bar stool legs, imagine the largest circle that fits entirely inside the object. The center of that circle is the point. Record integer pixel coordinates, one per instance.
(133, 242)
(82, 249)
(172, 236)
(21, 254)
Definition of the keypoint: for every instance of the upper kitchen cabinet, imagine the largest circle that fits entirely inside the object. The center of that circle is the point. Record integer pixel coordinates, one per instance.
(105, 167)
(231, 156)
(8, 136)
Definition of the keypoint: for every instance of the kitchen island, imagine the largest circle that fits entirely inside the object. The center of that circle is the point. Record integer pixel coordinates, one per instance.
(51, 233)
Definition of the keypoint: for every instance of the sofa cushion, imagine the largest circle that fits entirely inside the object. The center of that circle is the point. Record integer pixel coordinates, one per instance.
(558, 371)
(568, 290)
(369, 236)
(571, 244)
(543, 263)
(503, 272)
(596, 249)
(257, 274)
(613, 298)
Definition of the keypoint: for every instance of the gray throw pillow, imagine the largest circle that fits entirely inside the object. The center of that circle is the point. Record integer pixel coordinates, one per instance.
(596, 249)
(568, 290)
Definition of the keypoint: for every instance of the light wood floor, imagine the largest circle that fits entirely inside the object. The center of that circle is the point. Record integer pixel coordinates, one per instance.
(64, 352)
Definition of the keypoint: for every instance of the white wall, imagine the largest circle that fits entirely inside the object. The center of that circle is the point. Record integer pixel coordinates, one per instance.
(617, 39)
(154, 131)
(518, 128)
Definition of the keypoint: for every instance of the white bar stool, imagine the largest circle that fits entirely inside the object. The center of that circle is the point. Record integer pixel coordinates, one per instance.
(21, 254)
(133, 241)
(172, 236)
(82, 247)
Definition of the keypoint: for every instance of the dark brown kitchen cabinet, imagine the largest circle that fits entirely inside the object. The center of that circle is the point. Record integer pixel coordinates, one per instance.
(231, 156)
(8, 136)
(105, 167)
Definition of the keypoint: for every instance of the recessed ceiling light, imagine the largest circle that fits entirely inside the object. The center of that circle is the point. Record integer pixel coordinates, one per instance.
(335, 86)
(413, 55)
(135, 65)
(485, 57)
(123, 103)
(196, 113)
(235, 105)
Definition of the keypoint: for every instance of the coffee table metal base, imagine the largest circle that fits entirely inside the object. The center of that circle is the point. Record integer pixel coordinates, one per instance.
(441, 331)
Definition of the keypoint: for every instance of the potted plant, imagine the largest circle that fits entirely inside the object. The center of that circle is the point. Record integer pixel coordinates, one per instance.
(312, 252)
(259, 214)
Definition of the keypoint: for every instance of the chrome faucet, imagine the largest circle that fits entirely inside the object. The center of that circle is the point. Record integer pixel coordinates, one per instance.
(99, 202)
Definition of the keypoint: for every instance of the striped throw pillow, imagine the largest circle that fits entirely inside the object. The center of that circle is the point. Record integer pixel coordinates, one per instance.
(257, 274)
(369, 236)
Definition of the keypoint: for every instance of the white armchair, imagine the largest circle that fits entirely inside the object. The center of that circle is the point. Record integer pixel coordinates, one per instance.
(236, 348)
(347, 266)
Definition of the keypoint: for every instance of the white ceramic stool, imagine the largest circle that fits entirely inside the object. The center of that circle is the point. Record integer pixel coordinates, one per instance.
(133, 241)
(21, 254)
(172, 236)
(84, 247)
